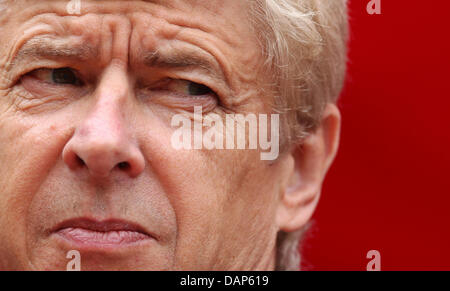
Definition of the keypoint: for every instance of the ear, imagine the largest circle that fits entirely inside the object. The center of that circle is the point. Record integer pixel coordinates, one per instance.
(311, 161)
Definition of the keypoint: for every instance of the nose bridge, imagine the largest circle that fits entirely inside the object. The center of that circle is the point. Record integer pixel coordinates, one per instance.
(106, 122)
(103, 140)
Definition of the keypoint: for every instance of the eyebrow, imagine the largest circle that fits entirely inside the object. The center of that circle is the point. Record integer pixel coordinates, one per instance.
(185, 59)
(46, 46)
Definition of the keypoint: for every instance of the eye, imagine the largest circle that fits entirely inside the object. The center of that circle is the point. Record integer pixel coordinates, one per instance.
(61, 76)
(196, 89)
(64, 76)
(185, 87)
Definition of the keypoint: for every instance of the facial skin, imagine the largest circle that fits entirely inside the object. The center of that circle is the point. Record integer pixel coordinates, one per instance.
(93, 141)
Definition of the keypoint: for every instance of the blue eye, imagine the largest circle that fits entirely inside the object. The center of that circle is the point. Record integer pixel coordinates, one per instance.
(64, 76)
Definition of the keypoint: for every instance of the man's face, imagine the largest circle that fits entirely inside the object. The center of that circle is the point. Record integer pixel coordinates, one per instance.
(86, 161)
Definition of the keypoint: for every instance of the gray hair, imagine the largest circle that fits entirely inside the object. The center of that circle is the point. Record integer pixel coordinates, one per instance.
(305, 46)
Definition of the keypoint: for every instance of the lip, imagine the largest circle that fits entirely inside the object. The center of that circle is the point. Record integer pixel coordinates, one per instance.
(93, 234)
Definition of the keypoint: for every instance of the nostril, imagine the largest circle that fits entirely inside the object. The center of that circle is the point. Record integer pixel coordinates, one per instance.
(80, 161)
(123, 165)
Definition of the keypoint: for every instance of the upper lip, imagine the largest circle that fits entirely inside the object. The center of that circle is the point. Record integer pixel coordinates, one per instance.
(102, 226)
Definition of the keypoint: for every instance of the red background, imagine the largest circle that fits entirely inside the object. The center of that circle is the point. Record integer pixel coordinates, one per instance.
(389, 187)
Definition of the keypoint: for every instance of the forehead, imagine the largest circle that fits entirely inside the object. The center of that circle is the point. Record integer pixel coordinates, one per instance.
(214, 6)
(229, 18)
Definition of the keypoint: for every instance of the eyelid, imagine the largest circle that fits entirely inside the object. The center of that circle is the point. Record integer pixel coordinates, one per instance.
(188, 83)
(49, 70)
(36, 73)
(158, 92)
(171, 84)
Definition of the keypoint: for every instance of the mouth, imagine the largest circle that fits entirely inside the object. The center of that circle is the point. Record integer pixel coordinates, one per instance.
(92, 234)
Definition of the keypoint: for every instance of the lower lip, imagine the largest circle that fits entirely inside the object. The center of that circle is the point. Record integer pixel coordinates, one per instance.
(91, 238)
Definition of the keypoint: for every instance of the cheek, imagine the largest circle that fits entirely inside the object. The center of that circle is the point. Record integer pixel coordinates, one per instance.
(217, 196)
(28, 149)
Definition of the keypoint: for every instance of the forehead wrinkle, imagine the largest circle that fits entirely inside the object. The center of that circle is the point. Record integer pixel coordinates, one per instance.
(6, 4)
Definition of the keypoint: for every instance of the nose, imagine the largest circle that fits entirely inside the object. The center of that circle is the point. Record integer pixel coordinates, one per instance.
(102, 143)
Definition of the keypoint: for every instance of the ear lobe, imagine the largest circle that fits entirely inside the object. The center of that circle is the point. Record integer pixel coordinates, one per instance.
(312, 160)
